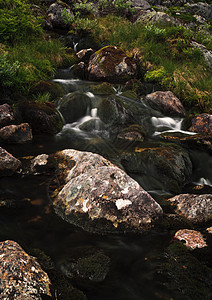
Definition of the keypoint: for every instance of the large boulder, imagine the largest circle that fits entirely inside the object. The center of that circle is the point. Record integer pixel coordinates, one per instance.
(111, 64)
(17, 134)
(207, 54)
(167, 167)
(6, 115)
(21, 276)
(166, 102)
(99, 197)
(8, 163)
(55, 15)
(42, 117)
(202, 124)
(201, 8)
(156, 17)
(194, 208)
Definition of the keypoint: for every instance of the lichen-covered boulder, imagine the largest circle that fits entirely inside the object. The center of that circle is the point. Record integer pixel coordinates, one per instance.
(6, 115)
(111, 64)
(167, 165)
(16, 134)
(21, 276)
(207, 54)
(194, 208)
(42, 117)
(74, 106)
(202, 124)
(193, 239)
(99, 197)
(167, 103)
(155, 17)
(8, 163)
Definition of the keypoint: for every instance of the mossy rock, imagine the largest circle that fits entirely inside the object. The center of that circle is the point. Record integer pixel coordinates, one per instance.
(42, 117)
(103, 88)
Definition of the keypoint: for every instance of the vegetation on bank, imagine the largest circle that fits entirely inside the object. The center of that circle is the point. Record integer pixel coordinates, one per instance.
(164, 53)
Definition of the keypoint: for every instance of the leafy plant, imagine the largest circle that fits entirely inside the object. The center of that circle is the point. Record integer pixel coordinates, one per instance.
(8, 71)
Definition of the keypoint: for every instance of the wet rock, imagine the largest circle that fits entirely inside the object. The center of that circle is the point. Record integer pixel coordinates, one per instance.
(100, 197)
(132, 133)
(74, 106)
(8, 163)
(195, 208)
(169, 165)
(6, 115)
(202, 124)
(86, 263)
(54, 14)
(111, 64)
(183, 274)
(46, 87)
(43, 118)
(16, 134)
(103, 88)
(167, 103)
(84, 54)
(193, 239)
(21, 275)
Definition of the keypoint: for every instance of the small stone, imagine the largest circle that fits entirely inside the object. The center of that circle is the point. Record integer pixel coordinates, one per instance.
(209, 229)
(8, 163)
(193, 239)
(6, 115)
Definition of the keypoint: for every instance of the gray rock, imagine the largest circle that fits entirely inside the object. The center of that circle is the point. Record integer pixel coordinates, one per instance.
(207, 54)
(17, 134)
(142, 4)
(194, 208)
(6, 115)
(54, 14)
(100, 197)
(8, 163)
(21, 276)
(153, 17)
(201, 8)
(167, 103)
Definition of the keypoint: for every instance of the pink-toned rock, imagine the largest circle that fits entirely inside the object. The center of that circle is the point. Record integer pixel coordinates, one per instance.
(193, 239)
(166, 102)
(18, 134)
(111, 64)
(8, 163)
(6, 115)
(84, 54)
(100, 197)
(21, 276)
(202, 124)
(195, 208)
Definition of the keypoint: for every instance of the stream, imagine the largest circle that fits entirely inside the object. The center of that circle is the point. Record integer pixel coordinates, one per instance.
(33, 224)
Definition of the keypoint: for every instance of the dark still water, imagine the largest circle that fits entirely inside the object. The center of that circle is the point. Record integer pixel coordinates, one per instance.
(29, 219)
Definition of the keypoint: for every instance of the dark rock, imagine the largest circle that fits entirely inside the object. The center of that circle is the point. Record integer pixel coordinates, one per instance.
(6, 115)
(84, 54)
(16, 134)
(54, 14)
(43, 87)
(111, 64)
(86, 263)
(169, 165)
(100, 197)
(202, 124)
(193, 239)
(132, 133)
(43, 118)
(195, 208)
(80, 70)
(8, 163)
(74, 106)
(201, 8)
(143, 4)
(103, 88)
(167, 103)
(21, 275)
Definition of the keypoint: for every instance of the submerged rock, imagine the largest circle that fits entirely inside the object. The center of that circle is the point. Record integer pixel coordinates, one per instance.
(100, 197)
(195, 208)
(6, 115)
(86, 263)
(8, 163)
(21, 276)
(111, 64)
(193, 239)
(168, 164)
(167, 103)
(202, 124)
(17, 134)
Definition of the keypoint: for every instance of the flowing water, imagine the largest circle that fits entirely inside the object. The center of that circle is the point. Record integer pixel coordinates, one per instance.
(30, 219)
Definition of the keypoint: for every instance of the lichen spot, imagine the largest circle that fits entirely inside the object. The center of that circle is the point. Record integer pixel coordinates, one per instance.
(84, 208)
(121, 203)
